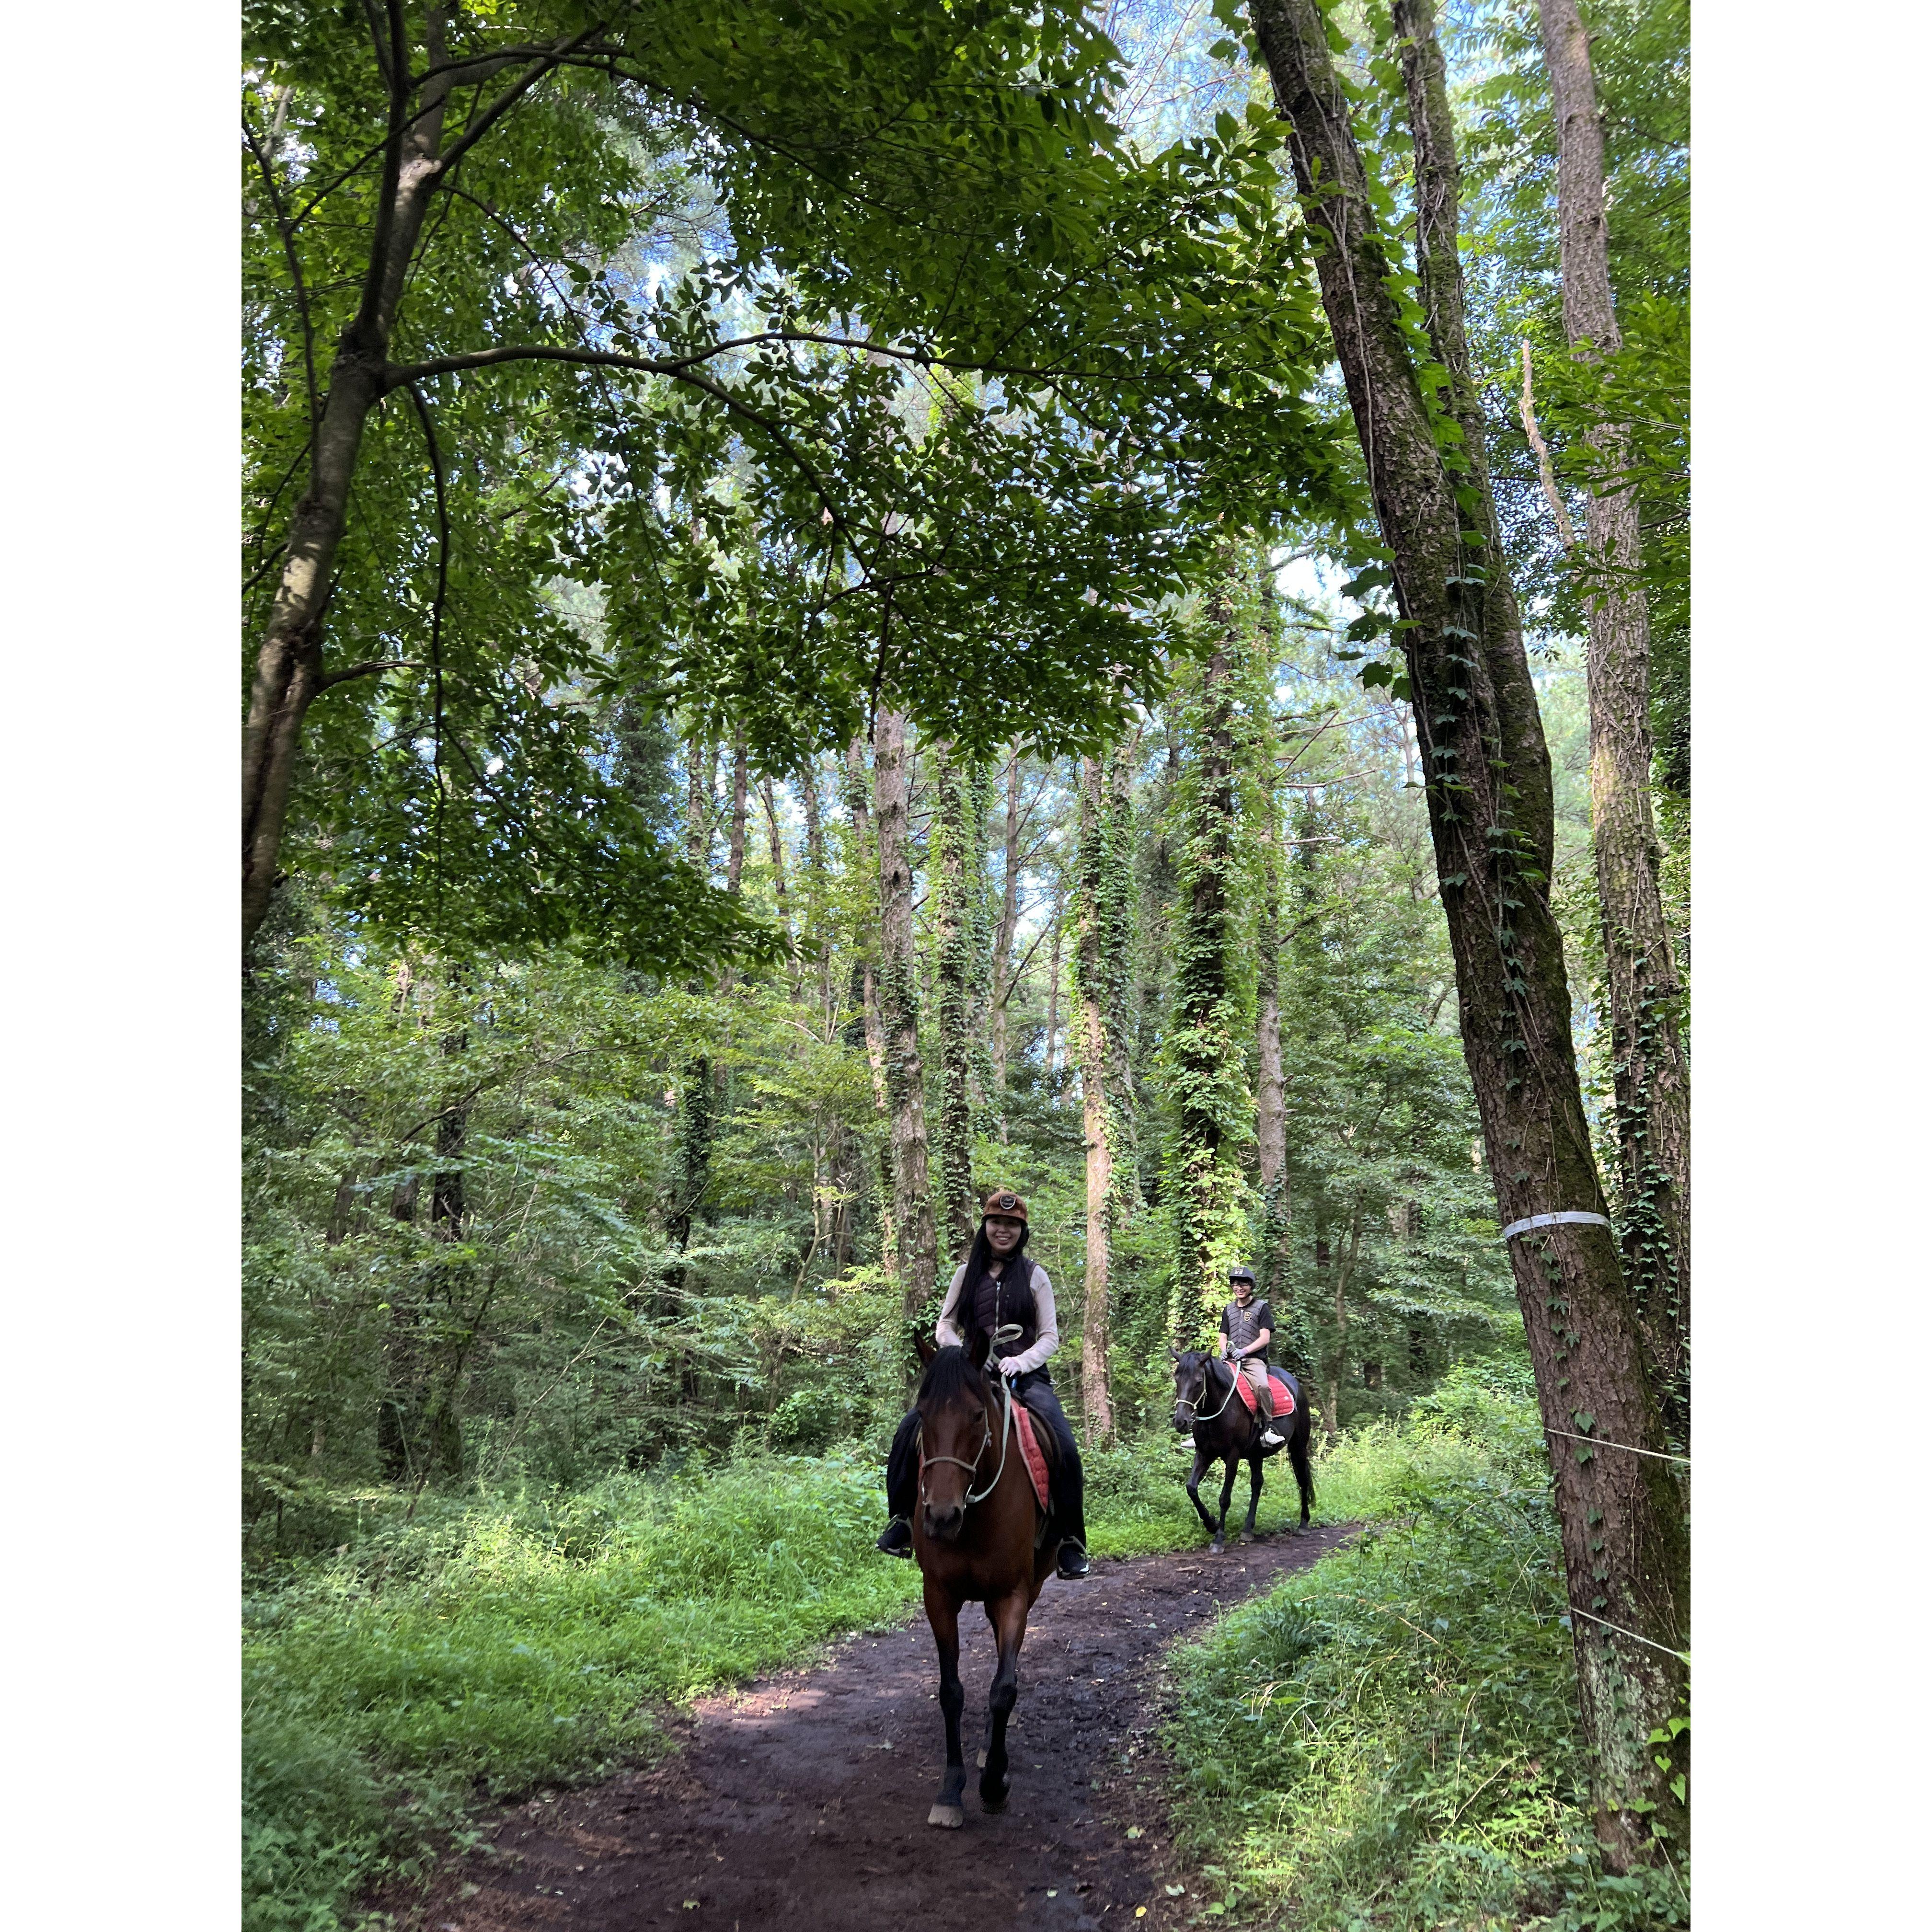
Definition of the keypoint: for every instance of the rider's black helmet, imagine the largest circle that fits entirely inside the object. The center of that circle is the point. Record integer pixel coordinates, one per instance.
(1239, 1274)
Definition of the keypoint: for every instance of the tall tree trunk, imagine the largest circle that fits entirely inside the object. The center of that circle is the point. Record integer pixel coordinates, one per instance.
(695, 1110)
(1117, 942)
(1204, 1056)
(734, 867)
(1092, 973)
(1270, 1088)
(1056, 914)
(1002, 937)
(1651, 1076)
(1622, 1516)
(954, 834)
(865, 974)
(290, 670)
(817, 927)
(793, 968)
(899, 1008)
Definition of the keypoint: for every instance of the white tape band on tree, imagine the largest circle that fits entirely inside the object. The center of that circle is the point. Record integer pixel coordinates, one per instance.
(1570, 1216)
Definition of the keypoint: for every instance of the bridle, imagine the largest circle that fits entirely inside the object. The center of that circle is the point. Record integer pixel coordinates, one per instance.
(972, 1467)
(1187, 1401)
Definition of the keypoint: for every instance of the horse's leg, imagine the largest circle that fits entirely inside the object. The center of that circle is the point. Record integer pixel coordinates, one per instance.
(1227, 1492)
(1254, 1492)
(1009, 1621)
(1200, 1469)
(943, 1613)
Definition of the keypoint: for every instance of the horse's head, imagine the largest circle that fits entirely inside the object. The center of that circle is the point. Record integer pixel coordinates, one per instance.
(1190, 1387)
(955, 1429)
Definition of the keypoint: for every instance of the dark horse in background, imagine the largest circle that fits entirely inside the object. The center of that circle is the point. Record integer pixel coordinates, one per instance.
(1207, 1406)
(980, 1536)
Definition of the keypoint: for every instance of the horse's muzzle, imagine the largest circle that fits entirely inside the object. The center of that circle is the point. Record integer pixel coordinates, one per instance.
(944, 1521)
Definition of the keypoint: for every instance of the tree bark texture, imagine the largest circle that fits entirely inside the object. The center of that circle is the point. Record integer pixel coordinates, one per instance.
(1625, 1536)
(1652, 1082)
(290, 670)
(954, 838)
(898, 1009)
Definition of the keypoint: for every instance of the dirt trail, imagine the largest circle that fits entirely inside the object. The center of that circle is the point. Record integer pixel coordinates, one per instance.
(799, 1803)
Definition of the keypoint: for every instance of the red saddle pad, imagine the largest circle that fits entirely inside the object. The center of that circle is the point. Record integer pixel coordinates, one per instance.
(1284, 1396)
(1027, 1430)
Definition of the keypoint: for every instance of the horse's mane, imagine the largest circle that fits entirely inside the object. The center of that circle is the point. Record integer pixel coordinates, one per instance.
(950, 1375)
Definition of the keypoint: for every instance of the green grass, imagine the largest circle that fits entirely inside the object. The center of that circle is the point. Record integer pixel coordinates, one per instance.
(1388, 1739)
(492, 1645)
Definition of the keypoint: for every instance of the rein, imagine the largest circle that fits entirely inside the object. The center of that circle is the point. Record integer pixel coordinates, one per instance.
(972, 1467)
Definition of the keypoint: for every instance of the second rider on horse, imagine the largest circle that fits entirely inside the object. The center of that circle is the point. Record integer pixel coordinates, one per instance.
(1000, 1286)
(1247, 1327)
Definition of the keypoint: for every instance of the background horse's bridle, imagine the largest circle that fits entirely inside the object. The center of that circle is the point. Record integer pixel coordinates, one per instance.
(1194, 1418)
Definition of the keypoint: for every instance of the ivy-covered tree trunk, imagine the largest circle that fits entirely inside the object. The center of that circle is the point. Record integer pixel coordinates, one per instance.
(695, 1105)
(1622, 1515)
(817, 930)
(1117, 941)
(1003, 936)
(1651, 1076)
(1205, 1052)
(898, 1009)
(865, 991)
(954, 840)
(1270, 1085)
(1096, 1002)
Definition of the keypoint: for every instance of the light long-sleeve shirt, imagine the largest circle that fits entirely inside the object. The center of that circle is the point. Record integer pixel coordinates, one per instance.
(1046, 1323)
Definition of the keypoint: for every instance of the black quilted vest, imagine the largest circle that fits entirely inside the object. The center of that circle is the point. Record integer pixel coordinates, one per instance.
(1009, 1299)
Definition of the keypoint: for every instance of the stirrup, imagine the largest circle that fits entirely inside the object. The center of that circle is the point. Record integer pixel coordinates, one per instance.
(897, 1540)
(1072, 1562)
(1271, 1438)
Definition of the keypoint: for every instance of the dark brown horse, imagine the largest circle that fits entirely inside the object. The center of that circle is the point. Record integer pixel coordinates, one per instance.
(979, 1535)
(1208, 1406)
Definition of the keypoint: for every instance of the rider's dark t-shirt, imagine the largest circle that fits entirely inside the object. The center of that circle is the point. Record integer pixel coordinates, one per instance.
(1242, 1325)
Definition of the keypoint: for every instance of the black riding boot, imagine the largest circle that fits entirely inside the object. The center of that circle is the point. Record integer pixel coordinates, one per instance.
(901, 1488)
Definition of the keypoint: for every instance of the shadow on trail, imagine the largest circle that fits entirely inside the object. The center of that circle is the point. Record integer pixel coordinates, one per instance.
(799, 1804)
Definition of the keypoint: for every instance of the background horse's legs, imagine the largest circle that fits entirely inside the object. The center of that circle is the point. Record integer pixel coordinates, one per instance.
(943, 1613)
(1201, 1459)
(1008, 1619)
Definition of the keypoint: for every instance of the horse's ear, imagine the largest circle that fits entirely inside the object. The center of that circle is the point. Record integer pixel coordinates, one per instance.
(1174, 1354)
(977, 1346)
(927, 1347)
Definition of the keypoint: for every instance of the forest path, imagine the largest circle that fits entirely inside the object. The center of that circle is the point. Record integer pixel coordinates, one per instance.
(799, 1803)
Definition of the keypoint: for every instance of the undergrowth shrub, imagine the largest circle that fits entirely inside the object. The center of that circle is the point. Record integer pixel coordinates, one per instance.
(1390, 1739)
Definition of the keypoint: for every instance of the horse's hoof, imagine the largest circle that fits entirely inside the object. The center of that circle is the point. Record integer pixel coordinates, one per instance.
(993, 1800)
(982, 1764)
(1216, 1548)
(947, 1817)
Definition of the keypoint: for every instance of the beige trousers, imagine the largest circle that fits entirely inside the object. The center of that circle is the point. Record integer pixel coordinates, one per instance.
(1256, 1369)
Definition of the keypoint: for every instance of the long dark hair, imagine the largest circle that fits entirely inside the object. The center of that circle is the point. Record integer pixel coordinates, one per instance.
(980, 1259)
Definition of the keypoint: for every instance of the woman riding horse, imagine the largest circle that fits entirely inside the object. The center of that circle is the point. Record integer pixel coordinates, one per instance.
(1000, 1286)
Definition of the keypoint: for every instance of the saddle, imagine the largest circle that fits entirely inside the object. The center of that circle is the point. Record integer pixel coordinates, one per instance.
(1284, 1392)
